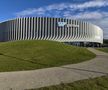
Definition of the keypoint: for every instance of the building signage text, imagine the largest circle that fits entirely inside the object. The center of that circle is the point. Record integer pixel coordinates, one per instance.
(62, 24)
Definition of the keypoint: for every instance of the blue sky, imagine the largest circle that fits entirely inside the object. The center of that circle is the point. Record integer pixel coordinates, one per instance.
(94, 11)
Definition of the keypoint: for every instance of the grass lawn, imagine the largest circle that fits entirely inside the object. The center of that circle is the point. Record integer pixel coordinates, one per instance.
(100, 83)
(103, 49)
(35, 54)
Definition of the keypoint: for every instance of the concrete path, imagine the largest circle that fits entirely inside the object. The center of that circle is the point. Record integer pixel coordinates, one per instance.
(23, 80)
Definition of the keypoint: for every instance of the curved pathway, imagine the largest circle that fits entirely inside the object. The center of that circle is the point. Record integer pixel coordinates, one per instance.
(51, 76)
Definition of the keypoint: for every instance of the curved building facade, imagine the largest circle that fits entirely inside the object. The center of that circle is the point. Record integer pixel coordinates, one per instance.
(44, 28)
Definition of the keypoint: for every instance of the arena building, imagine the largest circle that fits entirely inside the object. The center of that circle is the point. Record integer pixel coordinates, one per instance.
(57, 29)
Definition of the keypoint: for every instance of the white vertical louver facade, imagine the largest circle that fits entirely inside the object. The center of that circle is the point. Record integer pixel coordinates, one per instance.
(45, 28)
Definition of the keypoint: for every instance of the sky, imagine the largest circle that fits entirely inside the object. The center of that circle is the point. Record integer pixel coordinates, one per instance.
(93, 11)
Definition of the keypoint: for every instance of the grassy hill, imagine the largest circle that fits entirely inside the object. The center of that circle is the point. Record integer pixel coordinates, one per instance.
(103, 49)
(99, 83)
(35, 54)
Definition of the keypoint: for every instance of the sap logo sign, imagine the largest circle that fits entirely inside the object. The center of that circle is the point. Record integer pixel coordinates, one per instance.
(61, 24)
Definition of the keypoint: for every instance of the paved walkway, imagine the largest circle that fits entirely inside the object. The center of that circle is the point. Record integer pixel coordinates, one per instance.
(23, 80)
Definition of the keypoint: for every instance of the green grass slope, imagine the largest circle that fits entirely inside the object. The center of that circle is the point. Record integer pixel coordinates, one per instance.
(100, 83)
(35, 54)
(103, 49)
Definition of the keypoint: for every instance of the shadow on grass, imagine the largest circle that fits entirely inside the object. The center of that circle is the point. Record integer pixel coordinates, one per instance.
(30, 61)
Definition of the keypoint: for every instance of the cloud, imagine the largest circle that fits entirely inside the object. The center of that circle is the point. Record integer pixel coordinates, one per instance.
(92, 4)
(86, 15)
(30, 11)
(62, 6)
